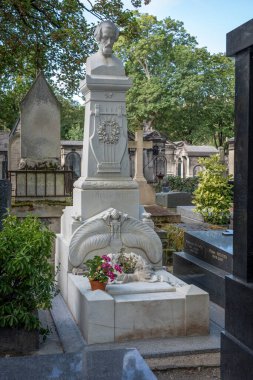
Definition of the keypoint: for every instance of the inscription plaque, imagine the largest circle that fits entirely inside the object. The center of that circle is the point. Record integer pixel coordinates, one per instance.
(211, 247)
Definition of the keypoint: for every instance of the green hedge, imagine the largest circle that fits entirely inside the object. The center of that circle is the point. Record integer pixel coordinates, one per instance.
(187, 185)
(26, 276)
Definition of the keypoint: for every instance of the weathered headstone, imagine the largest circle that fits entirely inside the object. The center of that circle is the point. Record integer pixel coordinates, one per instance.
(40, 125)
(237, 340)
(5, 198)
(147, 193)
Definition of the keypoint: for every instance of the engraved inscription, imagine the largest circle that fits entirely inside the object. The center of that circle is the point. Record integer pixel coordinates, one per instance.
(208, 253)
(216, 255)
(193, 247)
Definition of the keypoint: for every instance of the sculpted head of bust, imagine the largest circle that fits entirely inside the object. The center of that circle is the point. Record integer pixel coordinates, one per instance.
(106, 34)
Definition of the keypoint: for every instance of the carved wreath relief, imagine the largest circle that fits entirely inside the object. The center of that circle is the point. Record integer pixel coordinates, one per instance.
(108, 132)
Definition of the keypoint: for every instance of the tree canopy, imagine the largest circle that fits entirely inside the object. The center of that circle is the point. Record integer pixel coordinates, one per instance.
(50, 35)
(178, 88)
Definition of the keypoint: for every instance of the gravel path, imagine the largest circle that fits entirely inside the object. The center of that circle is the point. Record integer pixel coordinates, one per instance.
(200, 373)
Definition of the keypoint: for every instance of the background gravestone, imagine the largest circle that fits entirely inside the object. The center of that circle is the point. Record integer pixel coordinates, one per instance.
(40, 123)
(237, 339)
(5, 198)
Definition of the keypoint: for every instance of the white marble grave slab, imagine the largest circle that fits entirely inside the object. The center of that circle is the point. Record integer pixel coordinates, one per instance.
(92, 310)
(149, 315)
(139, 288)
(152, 312)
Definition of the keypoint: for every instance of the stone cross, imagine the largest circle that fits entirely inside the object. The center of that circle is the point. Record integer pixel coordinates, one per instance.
(237, 340)
(138, 144)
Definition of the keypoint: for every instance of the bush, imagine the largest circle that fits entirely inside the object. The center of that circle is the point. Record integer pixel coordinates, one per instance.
(213, 195)
(26, 277)
(187, 185)
(175, 236)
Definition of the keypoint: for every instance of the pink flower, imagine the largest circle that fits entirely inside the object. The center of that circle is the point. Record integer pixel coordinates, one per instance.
(111, 276)
(106, 265)
(106, 258)
(118, 268)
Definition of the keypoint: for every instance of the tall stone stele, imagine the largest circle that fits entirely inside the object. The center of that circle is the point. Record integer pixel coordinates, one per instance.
(105, 214)
(105, 177)
(40, 126)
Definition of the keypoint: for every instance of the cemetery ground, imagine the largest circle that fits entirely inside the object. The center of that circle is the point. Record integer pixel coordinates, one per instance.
(173, 358)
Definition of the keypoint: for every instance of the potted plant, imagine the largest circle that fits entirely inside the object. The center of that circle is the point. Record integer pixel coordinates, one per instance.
(26, 282)
(100, 271)
(128, 261)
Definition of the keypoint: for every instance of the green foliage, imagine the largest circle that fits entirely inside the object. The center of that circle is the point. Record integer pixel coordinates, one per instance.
(177, 88)
(187, 185)
(175, 236)
(213, 195)
(26, 276)
(50, 35)
(102, 269)
(72, 120)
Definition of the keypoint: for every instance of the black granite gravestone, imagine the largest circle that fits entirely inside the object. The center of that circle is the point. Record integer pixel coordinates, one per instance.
(237, 339)
(206, 260)
(5, 198)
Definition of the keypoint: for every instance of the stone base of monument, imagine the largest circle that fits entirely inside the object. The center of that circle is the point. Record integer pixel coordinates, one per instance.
(138, 310)
(147, 193)
(206, 260)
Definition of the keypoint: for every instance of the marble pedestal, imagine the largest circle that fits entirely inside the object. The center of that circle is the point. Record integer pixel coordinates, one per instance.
(138, 310)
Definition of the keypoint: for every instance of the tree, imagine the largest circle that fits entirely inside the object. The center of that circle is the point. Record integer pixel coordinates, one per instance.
(177, 87)
(148, 57)
(203, 93)
(49, 35)
(72, 120)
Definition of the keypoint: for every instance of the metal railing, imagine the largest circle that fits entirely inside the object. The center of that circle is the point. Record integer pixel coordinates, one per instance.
(41, 183)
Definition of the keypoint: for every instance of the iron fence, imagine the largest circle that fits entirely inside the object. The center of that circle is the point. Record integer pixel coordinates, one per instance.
(41, 183)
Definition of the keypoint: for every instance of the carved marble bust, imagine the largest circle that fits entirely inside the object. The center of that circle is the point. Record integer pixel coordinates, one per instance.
(104, 62)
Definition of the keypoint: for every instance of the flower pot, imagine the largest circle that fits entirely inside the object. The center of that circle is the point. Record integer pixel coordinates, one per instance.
(96, 285)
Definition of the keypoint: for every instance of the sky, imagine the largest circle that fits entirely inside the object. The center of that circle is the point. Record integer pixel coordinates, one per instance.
(207, 20)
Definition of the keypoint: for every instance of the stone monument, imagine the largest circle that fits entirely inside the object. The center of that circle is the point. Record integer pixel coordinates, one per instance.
(147, 193)
(105, 217)
(40, 126)
(237, 339)
(35, 147)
